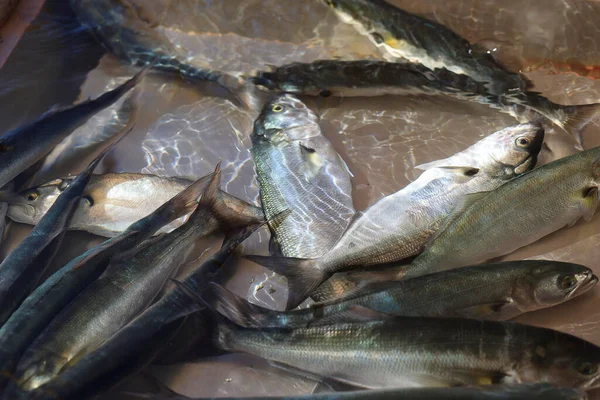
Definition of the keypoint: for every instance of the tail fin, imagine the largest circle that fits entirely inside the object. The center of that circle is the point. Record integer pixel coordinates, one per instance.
(209, 196)
(303, 275)
(186, 200)
(112, 96)
(577, 117)
(237, 309)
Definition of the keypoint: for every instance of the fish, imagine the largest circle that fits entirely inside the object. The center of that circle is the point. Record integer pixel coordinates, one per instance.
(22, 147)
(137, 342)
(488, 225)
(378, 78)
(124, 290)
(418, 352)
(399, 225)
(113, 201)
(23, 267)
(495, 291)
(56, 292)
(120, 28)
(402, 35)
(531, 391)
(299, 170)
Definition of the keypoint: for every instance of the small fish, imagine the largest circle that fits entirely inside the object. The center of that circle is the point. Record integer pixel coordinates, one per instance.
(21, 269)
(378, 78)
(119, 27)
(491, 224)
(403, 35)
(24, 146)
(135, 345)
(299, 170)
(417, 352)
(496, 291)
(532, 391)
(399, 225)
(111, 203)
(47, 300)
(125, 289)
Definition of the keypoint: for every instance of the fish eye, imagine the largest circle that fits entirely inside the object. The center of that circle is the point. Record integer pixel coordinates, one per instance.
(277, 108)
(567, 282)
(586, 368)
(523, 141)
(31, 196)
(377, 38)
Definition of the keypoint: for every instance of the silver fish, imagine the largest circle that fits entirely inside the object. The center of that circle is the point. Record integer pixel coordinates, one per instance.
(124, 290)
(399, 225)
(534, 391)
(298, 169)
(112, 201)
(416, 352)
(24, 146)
(524, 210)
(378, 78)
(497, 291)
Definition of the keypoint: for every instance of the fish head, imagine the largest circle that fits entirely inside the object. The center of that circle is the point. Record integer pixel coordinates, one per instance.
(563, 360)
(283, 119)
(29, 206)
(512, 151)
(550, 283)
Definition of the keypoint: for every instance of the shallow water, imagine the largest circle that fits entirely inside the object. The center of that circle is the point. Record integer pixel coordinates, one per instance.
(185, 129)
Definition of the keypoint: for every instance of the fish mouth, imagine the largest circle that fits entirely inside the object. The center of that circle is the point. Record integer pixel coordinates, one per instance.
(589, 280)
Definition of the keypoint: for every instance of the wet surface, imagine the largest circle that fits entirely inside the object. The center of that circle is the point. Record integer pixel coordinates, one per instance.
(185, 129)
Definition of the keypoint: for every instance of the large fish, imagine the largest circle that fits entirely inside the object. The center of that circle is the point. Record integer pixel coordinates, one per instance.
(21, 269)
(47, 300)
(111, 203)
(24, 146)
(118, 25)
(413, 352)
(533, 391)
(497, 291)
(491, 224)
(399, 225)
(134, 346)
(378, 78)
(403, 35)
(299, 170)
(122, 292)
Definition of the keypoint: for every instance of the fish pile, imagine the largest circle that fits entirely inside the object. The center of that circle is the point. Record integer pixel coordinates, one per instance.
(403, 299)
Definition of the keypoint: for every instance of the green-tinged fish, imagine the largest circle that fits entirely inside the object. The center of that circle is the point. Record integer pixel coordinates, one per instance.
(24, 146)
(112, 201)
(137, 343)
(497, 291)
(125, 289)
(47, 300)
(399, 225)
(299, 170)
(118, 26)
(403, 35)
(533, 391)
(378, 78)
(416, 352)
(21, 269)
(518, 213)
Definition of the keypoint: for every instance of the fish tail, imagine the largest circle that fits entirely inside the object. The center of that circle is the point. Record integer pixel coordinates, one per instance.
(112, 96)
(577, 117)
(186, 200)
(209, 196)
(304, 275)
(264, 79)
(237, 309)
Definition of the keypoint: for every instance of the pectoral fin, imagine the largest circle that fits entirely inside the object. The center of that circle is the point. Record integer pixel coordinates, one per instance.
(590, 203)
(312, 163)
(354, 313)
(497, 311)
